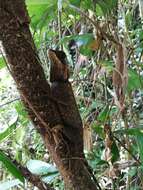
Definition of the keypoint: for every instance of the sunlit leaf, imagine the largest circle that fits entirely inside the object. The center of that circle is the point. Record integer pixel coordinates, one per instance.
(83, 39)
(49, 178)
(99, 129)
(134, 80)
(103, 116)
(9, 184)
(23, 117)
(47, 171)
(38, 167)
(9, 130)
(41, 13)
(37, 2)
(99, 11)
(2, 63)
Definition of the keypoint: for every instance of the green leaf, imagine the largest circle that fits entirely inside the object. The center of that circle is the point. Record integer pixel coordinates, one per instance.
(23, 117)
(87, 4)
(9, 130)
(2, 63)
(83, 41)
(139, 140)
(38, 167)
(140, 35)
(11, 167)
(114, 152)
(48, 179)
(128, 18)
(101, 162)
(85, 50)
(103, 114)
(138, 133)
(107, 5)
(37, 2)
(99, 129)
(108, 64)
(95, 105)
(132, 131)
(134, 81)
(99, 11)
(41, 12)
(9, 184)
(75, 2)
(133, 171)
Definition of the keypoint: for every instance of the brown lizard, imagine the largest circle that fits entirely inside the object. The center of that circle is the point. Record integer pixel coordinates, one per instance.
(62, 91)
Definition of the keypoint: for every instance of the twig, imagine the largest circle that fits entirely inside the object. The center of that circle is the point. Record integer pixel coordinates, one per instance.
(60, 25)
(11, 101)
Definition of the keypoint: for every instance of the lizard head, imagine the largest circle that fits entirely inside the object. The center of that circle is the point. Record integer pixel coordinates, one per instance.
(59, 68)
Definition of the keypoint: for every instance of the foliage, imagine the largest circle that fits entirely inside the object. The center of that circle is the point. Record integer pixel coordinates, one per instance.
(91, 33)
(11, 167)
(9, 184)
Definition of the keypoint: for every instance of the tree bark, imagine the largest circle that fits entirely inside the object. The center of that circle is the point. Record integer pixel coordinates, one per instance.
(35, 92)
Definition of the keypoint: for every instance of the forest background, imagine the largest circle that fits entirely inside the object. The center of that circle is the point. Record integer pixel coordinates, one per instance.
(103, 42)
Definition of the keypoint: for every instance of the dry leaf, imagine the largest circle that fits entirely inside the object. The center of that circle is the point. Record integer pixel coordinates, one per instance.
(108, 144)
(95, 44)
(87, 137)
(120, 77)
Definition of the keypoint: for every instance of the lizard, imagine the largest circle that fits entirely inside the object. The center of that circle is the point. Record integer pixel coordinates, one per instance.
(61, 90)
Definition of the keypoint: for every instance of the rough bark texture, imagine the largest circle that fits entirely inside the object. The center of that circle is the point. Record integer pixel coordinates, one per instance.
(44, 109)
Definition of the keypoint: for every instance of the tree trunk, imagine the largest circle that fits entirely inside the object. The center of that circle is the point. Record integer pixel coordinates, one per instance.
(35, 92)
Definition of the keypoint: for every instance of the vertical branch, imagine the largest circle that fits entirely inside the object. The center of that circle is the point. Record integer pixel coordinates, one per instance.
(60, 21)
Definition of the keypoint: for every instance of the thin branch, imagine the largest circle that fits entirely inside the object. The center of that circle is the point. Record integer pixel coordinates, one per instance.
(60, 26)
(11, 101)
